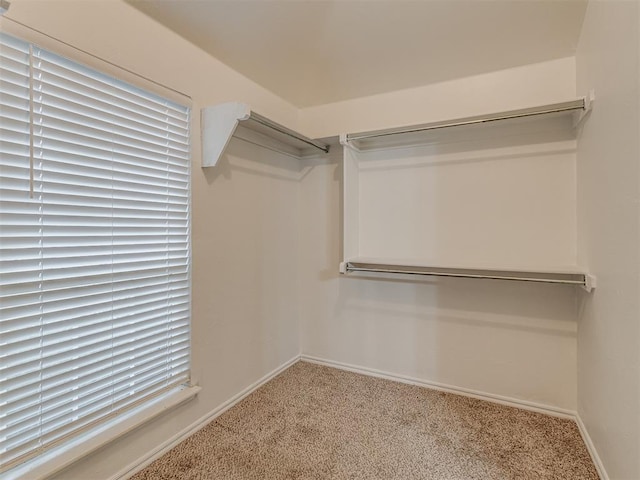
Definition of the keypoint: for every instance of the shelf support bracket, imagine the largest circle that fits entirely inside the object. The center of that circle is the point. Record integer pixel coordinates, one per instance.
(218, 125)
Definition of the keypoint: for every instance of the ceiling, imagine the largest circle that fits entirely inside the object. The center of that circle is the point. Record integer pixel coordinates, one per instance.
(312, 52)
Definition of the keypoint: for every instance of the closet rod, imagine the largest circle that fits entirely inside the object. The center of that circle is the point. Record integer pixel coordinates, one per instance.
(579, 279)
(576, 105)
(264, 145)
(285, 131)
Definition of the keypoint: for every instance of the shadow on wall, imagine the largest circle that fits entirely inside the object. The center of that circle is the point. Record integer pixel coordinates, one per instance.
(244, 156)
(245, 288)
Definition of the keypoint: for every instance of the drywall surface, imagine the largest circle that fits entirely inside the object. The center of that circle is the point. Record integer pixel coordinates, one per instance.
(530, 85)
(511, 339)
(608, 169)
(244, 311)
(504, 199)
(504, 338)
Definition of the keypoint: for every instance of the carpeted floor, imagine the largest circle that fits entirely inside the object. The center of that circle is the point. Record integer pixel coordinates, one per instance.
(314, 422)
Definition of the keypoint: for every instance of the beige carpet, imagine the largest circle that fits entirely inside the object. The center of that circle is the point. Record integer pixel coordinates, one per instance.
(314, 422)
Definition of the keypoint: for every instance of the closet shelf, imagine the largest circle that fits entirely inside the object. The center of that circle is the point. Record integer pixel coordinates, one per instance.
(381, 138)
(393, 211)
(566, 276)
(233, 119)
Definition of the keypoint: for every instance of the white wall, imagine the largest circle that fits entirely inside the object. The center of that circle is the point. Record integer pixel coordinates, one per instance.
(530, 85)
(608, 60)
(245, 314)
(502, 196)
(502, 338)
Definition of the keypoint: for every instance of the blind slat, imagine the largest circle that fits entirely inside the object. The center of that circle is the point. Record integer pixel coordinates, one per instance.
(94, 248)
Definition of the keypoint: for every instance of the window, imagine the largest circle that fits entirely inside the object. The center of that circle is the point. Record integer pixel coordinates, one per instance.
(94, 248)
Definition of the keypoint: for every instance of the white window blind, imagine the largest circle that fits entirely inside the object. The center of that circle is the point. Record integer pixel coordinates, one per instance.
(94, 248)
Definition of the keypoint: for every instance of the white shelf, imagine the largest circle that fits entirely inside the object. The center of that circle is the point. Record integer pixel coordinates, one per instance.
(566, 276)
(233, 119)
(415, 134)
(489, 191)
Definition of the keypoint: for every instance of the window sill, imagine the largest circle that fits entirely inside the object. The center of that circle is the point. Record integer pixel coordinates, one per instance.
(62, 456)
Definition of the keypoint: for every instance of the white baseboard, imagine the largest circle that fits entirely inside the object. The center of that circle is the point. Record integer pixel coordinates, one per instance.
(185, 433)
(592, 449)
(508, 401)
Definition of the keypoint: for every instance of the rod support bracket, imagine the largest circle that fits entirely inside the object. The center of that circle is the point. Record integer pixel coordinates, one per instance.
(589, 282)
(588, 106)
(345, 142)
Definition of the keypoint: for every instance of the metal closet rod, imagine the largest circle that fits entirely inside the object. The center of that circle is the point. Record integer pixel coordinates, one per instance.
(285, 131)
(268, 147)
(579, 104)
(520, 276)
